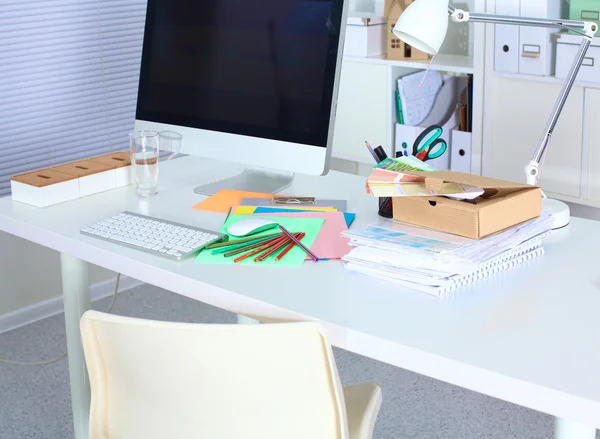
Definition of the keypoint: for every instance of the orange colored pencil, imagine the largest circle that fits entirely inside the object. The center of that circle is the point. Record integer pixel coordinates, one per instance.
(289, 247)
(260, 249)
(275, 249)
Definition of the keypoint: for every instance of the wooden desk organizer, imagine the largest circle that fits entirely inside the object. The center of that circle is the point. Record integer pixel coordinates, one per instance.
(70, 181)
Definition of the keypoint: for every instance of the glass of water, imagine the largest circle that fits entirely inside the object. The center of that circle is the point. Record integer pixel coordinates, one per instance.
(144, 147)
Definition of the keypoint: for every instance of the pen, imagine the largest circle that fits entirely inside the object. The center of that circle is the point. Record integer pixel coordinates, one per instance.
(370, 148)
(289, 247)
(298, 243)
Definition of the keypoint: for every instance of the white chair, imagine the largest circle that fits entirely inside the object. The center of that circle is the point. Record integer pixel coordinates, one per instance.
(163, 380)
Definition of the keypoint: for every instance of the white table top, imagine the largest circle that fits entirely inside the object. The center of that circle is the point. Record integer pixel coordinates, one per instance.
(529, 336)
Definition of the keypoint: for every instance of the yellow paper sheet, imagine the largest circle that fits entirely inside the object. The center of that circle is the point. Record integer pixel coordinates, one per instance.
(224, 200)
(249, 210)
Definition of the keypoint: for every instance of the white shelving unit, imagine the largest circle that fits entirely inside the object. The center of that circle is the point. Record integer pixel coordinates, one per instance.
(442, 62)
(366, 104)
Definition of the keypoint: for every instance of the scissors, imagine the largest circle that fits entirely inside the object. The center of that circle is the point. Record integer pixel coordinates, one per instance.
(429, 145)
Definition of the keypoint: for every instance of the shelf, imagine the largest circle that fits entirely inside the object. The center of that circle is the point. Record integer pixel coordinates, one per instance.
(544, 79)
(445, 63)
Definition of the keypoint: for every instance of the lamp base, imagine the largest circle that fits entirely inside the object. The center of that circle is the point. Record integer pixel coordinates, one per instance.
(560, 212)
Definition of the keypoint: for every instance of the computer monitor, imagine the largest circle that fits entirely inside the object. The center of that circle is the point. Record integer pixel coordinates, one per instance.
(253, 82)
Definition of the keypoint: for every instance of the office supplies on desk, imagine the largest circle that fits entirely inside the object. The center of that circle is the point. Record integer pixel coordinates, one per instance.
(418, 92)
(380, 152)
(299, 244)
(437, 263)
(370, 148)
(289, 247)
(250, 226)
(295, 258)
(318, 204)
(429, 145)
(329, 244)
(225, 199)
(276, 243)
(237, 241)
(239, 245)
(275, 248)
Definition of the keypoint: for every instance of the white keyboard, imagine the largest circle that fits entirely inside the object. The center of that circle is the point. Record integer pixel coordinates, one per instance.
(153, 235)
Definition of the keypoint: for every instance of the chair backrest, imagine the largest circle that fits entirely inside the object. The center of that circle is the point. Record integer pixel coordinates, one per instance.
(159, 380)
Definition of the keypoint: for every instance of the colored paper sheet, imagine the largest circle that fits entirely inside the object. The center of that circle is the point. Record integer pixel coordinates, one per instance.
(295, 258)
(241, 210)
(224, 200)
(250, 210)
(338, 204)
(329, 243)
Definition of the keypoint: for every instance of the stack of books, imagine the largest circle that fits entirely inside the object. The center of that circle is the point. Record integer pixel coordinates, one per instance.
(438, 263)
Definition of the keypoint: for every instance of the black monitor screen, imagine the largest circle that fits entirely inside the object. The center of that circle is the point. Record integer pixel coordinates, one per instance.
(262, 68)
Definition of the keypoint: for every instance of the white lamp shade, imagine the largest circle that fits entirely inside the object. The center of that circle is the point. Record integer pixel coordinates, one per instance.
(423, 25)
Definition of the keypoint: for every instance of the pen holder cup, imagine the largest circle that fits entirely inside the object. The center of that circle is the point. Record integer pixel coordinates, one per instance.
(385, 208)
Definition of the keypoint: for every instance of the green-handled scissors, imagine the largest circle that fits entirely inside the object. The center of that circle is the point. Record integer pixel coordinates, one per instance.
(429, 145)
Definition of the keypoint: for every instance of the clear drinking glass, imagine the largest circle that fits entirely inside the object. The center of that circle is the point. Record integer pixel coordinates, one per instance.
(144, 147)
(170, 141)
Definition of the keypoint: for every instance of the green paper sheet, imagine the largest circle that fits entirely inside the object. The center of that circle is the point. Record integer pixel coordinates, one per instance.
(294, 258)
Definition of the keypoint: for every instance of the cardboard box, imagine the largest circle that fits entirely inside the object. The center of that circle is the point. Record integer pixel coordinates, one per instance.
(44, 188)
(503, 205)
(93, 177)
(396, 48)
(121, 163)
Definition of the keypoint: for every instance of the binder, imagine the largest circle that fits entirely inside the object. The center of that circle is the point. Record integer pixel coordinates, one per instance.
(506, 46)
(537, 53)
(460, 151)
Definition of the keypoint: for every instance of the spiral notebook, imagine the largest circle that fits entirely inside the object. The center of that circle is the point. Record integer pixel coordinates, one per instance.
(510, 259)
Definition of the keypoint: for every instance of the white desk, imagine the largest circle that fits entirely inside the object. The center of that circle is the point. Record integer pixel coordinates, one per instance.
(528, 336)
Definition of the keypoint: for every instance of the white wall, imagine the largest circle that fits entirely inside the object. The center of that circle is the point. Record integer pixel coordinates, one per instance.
(30, 273)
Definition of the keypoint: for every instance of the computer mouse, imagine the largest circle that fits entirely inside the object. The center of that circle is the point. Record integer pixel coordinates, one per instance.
(250, 226)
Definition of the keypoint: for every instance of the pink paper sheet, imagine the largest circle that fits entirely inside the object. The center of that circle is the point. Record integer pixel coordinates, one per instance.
(329, 243)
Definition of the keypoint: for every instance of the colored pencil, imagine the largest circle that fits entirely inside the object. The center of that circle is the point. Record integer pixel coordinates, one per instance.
(252, 246)
(275, 249)
(239, 241)
(219, 250)
(289, 247)
(260, 249)
(299, 244)
(370, 148)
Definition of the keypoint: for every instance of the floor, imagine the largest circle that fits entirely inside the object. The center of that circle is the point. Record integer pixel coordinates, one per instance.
(35, 402)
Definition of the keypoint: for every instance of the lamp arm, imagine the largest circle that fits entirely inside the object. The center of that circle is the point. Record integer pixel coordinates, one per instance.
(589, 29)
(532, 169)
(460, 16)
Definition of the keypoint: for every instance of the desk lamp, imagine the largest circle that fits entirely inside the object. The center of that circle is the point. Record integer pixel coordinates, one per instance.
(424, 24)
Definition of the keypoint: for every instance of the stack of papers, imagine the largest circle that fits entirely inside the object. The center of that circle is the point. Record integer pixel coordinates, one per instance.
(438, 263)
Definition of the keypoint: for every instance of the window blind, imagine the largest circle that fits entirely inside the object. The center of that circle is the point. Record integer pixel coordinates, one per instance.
(69, 73)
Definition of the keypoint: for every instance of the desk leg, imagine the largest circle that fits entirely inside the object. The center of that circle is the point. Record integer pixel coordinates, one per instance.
(243, 320)
(76, 296)
(565, 429)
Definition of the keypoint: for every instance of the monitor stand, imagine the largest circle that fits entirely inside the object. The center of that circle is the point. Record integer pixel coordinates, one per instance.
(252, 180)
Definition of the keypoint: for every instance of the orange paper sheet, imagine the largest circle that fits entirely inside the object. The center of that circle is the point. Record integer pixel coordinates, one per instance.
(224, 200)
